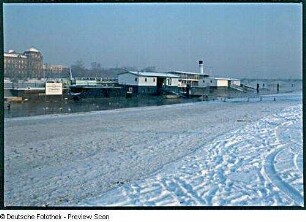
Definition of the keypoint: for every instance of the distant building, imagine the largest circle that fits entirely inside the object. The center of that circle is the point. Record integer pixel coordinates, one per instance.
(55, 71)
(21, 66)
(35, 63)
(15, 65)
(149, 82)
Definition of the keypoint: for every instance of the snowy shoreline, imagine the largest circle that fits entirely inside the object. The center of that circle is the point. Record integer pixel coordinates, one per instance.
(73, 159)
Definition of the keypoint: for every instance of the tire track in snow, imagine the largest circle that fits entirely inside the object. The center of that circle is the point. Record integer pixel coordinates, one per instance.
(277, 180)
(298, 156)
(299, 162)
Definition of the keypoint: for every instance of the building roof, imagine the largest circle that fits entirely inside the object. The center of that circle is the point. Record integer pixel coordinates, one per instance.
(32, 50)
(151, 74)
(14, 55)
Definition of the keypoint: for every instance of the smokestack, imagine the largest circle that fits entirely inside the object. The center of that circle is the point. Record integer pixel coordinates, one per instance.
(201, 66)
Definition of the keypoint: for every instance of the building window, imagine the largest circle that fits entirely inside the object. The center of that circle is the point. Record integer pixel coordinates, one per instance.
(145, 79)
(135, 79)
(203, 81)
(153, 79)
(210, 81)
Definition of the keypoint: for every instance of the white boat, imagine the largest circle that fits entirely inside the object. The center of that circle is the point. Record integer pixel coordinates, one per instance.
(171, 96)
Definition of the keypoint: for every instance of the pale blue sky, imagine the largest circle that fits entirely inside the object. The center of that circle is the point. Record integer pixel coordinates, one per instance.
(236, 40)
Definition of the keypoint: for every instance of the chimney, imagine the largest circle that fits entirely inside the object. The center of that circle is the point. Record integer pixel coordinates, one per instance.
(201, 66)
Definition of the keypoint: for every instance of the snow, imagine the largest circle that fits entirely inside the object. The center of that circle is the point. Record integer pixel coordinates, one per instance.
(33, 50)
(233, 153)
(14, 55)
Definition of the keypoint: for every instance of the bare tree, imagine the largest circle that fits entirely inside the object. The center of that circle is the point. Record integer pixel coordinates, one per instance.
(78, 69)
(95, 70)
(149, 69)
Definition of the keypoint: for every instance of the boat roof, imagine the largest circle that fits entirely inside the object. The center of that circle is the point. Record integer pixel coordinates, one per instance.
(188, 73)
(220, 78)
(151, 74)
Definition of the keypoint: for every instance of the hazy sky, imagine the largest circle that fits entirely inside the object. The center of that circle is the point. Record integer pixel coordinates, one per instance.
(235, 40)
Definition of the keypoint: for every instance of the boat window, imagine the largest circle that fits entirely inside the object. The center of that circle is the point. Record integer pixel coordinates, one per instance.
(145, 79)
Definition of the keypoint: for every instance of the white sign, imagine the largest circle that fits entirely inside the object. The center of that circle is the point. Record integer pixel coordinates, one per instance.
(54, 88)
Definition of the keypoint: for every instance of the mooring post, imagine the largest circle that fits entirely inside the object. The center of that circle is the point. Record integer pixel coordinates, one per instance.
(257, 88)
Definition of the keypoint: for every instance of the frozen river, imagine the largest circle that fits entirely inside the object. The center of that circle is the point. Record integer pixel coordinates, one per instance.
(207, 153)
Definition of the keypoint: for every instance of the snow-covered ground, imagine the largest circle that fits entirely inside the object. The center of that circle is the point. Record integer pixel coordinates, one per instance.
(209, 153)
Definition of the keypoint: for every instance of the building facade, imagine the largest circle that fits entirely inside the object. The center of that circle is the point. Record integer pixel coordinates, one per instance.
(55, 71)
(23, 65)
(35, 63)
(15, 65)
